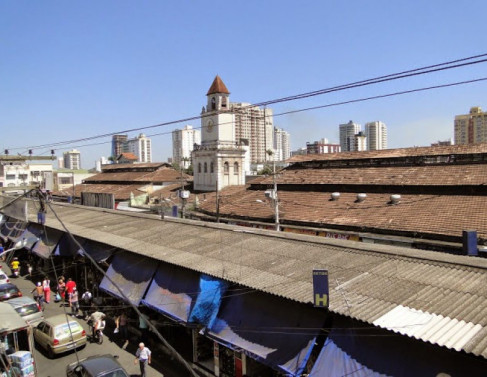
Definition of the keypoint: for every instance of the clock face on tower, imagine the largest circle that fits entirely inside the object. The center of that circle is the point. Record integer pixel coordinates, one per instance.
(209, 126)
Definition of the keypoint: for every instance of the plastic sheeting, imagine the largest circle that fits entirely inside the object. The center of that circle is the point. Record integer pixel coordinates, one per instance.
(132, 274)
(208, 302)
(98, 251)
(48, 239)
(17, 231)
(333, 362)
(7, 227)
(67, 247)
(173, 292)
(273, 331)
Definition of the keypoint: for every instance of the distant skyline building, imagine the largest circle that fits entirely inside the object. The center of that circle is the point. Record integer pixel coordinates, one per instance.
(471, 128)
(183, 142)
(282, 144)
(376, 133)
(140, 146)
(322, 146)
(347, 135)
(118, 143)
(255, 125)
(72, 160)
(359, 142)
(442, 143)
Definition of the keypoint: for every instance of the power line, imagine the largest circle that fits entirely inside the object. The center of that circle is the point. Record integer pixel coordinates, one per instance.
(395, 76)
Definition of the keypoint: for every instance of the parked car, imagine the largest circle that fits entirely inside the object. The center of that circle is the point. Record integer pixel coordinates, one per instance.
(4, 277)
(54, 334)
(28, 309)
(97, 366)
(9, 290)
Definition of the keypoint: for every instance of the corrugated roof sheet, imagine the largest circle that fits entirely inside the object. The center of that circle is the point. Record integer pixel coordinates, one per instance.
(366, 281)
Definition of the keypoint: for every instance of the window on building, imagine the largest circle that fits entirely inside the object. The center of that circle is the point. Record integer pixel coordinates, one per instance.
(213, 103)
(225, 168)
(235, 168)
(10, 176)
(212, 167)
(206, 168)
(224, 102)
(199, 167)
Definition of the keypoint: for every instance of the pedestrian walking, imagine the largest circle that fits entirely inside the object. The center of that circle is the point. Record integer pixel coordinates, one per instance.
(38, 293)
(122, 323)
(70, 284)
(86, 299)
(61, 289)
(46, 286)
(143, 356)
(74, 302)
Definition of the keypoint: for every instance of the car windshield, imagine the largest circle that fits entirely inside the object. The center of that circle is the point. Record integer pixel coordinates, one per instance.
(114, 373)
(27, 309)
(63, 330)
(10, 290)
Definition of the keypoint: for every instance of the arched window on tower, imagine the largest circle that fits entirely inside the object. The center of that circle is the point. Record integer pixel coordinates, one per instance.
(205, 168)
(212, 167)
(235, 168)
(213, 103)
(224, 102)
(199, 167)
(225, 168)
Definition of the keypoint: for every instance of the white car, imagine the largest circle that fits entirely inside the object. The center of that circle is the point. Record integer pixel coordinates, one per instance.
(3, 277)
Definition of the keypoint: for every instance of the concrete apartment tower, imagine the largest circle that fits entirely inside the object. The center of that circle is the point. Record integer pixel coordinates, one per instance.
(219, 160)
(347, 136)
(376, 133)
(183, 142)
(282, 144)
(118, 145)
(140, 146)
(471, 128)
(72, 160)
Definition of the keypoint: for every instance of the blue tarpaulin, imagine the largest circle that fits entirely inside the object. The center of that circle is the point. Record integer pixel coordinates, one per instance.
(273, 331)
(173, 292)
(132, 274)
(208, 302)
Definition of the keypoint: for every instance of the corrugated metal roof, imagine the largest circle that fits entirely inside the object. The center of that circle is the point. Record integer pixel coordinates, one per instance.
(366, 281)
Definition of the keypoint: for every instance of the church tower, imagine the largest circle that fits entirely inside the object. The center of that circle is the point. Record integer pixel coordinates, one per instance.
(219, 160)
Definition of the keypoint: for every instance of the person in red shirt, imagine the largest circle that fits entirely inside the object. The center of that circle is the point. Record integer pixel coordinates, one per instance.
(69, 286)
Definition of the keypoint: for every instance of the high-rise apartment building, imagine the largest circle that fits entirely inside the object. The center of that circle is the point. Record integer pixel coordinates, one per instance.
(118, 143)
(282, 144)
(376, 133)
(471, 128)
(359, 142)
(257, 126)
(140, 146)
(72, 160)
(183, 142)
(347, 135)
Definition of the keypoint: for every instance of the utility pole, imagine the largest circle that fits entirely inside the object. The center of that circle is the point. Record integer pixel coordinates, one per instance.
(275, 200)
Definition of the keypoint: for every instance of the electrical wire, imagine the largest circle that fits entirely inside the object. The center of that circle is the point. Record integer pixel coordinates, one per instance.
(380, 79)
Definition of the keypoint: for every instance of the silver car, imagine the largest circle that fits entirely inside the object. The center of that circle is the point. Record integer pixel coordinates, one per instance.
(28, 309)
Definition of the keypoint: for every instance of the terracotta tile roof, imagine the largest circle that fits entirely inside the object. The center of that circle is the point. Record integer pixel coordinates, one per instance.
(127, 156)
(217, 87)
(435, 175)
(134, 167)
(162, 174)
(394, 153)
(426, 214)
(121, 192)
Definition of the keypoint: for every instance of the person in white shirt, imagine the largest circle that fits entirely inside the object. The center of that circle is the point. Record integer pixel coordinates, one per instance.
(143, 356)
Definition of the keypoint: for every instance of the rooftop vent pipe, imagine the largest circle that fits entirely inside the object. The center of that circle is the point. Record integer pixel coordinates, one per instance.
(361, 197)
(335, 195)
(395, 199)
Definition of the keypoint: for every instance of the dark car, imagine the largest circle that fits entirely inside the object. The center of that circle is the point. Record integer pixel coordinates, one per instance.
(96, 366)
(9, 290)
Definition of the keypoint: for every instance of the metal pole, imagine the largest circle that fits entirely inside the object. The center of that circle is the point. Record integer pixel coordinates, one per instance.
(276, 202)
(74, 190)
(217, 202)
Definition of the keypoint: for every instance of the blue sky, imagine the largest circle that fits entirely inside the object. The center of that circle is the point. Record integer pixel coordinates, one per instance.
(70, 70)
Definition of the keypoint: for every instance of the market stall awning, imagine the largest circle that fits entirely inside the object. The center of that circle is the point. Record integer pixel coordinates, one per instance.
(98, 251)
(48, 239)
(276, 332)
(67, 247)
(210, 294)
(17, 231)
(333, 361)
(131, 273)
(30, 237)
(7, 227)
(173, 291)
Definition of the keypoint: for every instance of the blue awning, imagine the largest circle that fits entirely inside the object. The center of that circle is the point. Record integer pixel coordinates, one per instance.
(333, 361)
(173, 292)
(17, 231)
(48, 239)
(132, 274)
(30, 236)
(67, 247)
(271, 330)
(98, 251)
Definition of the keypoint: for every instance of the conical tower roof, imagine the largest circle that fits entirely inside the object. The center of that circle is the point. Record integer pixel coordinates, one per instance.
(217, 87)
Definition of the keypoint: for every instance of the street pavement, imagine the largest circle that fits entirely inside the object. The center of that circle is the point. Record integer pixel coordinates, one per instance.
(162, 365)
